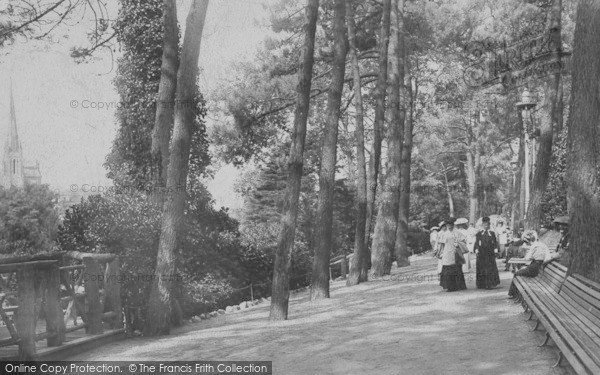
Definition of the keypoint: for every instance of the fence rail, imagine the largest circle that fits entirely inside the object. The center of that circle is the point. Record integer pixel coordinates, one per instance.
(51, 289)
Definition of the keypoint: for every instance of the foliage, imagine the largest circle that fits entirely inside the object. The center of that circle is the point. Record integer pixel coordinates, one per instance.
(211, 257)
(139, 30)
(554, 201)
(29, 220)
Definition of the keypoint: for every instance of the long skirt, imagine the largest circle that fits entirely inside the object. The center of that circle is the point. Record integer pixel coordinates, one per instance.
(487, 275)
(439, 266)
(532, 270)
(452, 278)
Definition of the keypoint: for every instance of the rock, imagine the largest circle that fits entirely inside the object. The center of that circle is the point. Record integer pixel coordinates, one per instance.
(212, 314)
(195, 319)
(203, 316)
(221, 311)
(243, 305)
(236, 307)
(268, 298)
(229, 309)
(137, 332)
(264, 299)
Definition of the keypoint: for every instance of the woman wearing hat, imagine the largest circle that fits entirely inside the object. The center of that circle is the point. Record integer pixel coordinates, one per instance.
(537, 253)
(486, 268)
(438, 245)
(433, 233)
(452, 277)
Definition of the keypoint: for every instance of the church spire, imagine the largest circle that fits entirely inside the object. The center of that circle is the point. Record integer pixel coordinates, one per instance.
(13, 135)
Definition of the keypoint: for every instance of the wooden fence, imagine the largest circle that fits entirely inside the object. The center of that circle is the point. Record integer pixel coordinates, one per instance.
(41, 294)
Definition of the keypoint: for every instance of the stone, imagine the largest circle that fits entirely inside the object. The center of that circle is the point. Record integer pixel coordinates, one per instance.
(243, 305)
(221, 311)
(229, 309)
(203, 316)
(212, 314)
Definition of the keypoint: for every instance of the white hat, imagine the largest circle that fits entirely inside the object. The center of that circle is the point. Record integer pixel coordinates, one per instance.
(461, 220)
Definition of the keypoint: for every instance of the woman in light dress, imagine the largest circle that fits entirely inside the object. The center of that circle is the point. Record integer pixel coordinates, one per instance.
(452, 277)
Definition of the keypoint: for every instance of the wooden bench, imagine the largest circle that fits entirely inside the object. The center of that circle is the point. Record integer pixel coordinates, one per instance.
(569, 310)
(517, 263)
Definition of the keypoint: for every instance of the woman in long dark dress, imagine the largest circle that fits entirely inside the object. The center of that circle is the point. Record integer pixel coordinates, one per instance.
(452, 277)
(487, 270)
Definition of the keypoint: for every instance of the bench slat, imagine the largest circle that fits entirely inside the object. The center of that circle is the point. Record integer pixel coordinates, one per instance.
(531, 301)
(572, 322)
(591, 304)
(553, 324)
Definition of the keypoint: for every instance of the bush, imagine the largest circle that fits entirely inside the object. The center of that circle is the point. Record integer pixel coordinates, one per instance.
(210, 255)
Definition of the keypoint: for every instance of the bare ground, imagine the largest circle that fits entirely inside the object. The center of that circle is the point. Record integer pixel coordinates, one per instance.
(404, 324)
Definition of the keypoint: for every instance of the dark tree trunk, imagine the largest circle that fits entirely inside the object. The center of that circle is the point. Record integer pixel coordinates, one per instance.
(517, 191)
(285, 243)
(357, 269)
(544, 153)
(380, 91)
(401, 246)
(165, 109)
(384, 236)
(583, 158)
(324, 226)
(159, 313)
(165, 101)
(472, 183)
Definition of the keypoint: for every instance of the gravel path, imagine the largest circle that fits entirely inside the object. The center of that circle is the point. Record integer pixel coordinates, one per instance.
(404, 324)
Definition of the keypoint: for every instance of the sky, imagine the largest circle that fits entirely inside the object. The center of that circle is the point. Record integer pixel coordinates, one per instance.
(66, 111)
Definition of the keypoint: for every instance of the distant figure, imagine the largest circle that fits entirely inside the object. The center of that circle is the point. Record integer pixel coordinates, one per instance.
(471, 233)
(485, 247)
(433, 234)
(502, 236)
(452, 277)
(438, 246)
(461, 229)
(562, 223)
(537, 254)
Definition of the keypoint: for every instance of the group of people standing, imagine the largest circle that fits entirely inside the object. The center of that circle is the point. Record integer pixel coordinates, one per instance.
(454, 242)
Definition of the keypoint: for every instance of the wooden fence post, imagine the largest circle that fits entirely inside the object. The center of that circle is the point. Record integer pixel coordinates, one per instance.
(91, 277)
(54, 320)
(112, 288)
(26, 314)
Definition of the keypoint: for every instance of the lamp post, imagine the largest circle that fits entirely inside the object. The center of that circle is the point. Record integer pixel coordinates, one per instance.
(524, 107)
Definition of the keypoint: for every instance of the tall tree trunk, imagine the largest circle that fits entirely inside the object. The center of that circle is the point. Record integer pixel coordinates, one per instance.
(280, 289)
(384, 236)
(401, 245)
(517, 191)
(448, 192)
(159, 309)
(357, 269)
(544, 153)
(324, 237)
(165, 108)
(472, 184)
(583, 161)
(163, 123)
(380, 91)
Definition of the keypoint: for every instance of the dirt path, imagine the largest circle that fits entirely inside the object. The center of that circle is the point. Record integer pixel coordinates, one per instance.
(402, 325)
